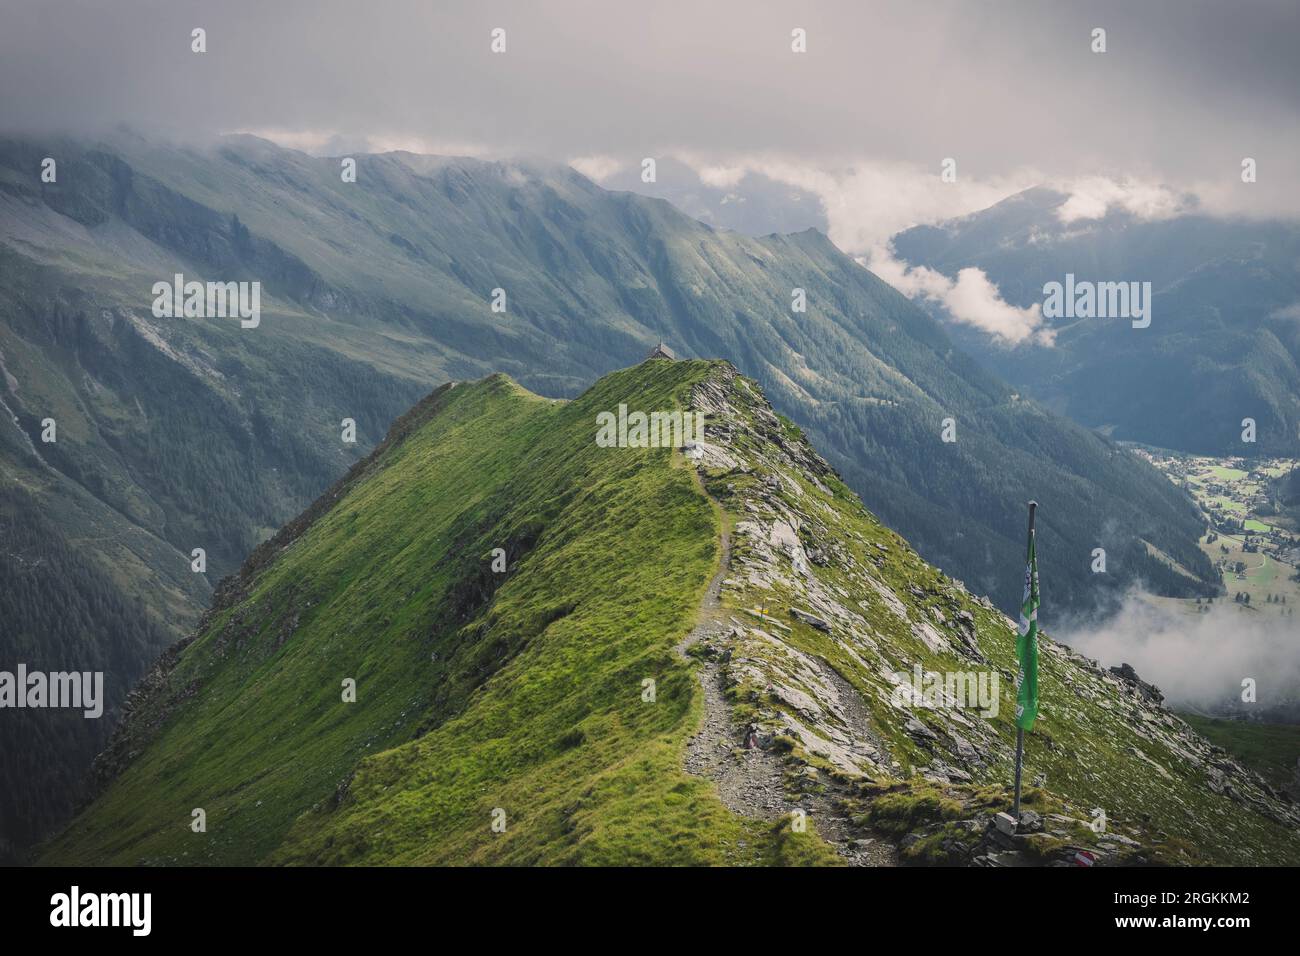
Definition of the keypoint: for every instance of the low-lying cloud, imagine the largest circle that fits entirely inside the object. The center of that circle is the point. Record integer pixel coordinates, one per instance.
(971, 299)
(867, 203)
(1092, 197)
(1200, 661)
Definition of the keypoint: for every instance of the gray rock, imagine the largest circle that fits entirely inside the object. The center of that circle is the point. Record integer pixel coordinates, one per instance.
(811, 619)
(917, 729)
(1126, 673)
(1030, 822)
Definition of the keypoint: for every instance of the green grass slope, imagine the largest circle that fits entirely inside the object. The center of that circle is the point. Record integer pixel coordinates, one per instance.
(1271, 749)
(520, 690)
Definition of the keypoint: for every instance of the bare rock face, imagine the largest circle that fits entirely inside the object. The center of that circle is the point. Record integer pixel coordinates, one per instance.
(794, 559)
(1126, 673)
(864, 662)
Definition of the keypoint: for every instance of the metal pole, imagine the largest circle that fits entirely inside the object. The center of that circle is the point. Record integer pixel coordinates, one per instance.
(1020, 731)
(1020, 756)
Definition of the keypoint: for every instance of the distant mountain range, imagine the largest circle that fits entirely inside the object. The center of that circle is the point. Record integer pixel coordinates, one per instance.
(177, 434)
(1223, 344)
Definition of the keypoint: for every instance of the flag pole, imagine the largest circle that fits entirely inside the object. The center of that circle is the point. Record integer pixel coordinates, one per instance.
(1020, 756)
(1020, 731)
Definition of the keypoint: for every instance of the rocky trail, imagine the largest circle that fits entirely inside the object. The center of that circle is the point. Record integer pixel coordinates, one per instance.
(754, 782)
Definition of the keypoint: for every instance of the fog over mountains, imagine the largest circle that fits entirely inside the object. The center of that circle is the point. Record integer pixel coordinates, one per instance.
(588, 433)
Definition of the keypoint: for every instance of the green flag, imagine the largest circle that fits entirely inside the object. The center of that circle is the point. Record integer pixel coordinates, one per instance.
(1027, 643)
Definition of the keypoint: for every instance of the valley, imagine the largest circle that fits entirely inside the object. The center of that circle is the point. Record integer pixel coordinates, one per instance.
(1223, 340)
(1252, 540)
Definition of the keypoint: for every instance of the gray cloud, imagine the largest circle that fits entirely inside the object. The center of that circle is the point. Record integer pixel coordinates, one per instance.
(1186, 89)
(1200, 660)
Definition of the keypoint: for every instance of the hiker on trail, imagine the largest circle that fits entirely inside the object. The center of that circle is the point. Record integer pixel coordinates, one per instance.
(751, 737)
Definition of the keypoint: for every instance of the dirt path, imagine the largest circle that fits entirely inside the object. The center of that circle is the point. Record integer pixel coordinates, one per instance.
(751, 782)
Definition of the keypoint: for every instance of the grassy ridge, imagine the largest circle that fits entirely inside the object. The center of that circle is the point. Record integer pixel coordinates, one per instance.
(529, 683)
(188, 433)
(523, 693)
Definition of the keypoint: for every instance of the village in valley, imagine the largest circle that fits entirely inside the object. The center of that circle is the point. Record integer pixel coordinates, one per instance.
(1252, 538)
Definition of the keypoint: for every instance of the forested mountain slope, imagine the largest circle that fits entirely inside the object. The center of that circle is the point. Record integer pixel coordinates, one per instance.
(1224, 339)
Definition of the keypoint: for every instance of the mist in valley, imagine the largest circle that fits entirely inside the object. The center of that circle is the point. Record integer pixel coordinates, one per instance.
(1201, 661)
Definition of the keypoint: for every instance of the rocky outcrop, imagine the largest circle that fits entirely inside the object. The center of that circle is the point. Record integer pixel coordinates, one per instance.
(870, 667)
(1126, 673)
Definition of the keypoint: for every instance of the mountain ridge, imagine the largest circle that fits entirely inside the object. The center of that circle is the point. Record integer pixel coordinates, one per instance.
(542, 711)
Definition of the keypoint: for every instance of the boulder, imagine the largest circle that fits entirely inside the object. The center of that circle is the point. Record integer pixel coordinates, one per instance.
(811, 619)
(1126, 673)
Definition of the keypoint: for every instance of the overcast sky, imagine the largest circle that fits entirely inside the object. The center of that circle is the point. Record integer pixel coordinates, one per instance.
(1184, 90)
(1011, 90)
